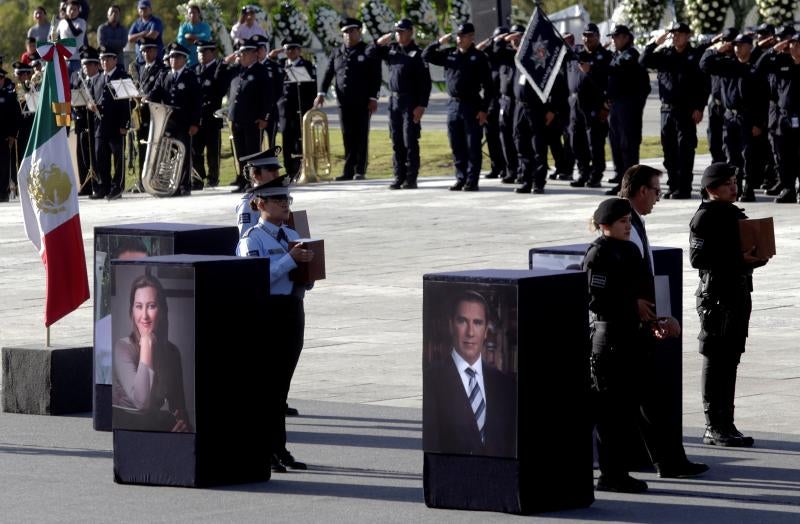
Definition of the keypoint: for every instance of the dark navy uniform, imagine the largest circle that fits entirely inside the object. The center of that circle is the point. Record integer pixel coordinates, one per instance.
(466, 75)
(589, 114)
(112, 117)
(716, 118)
(295, 99)
(358, 80)
(507, 102)
(10, 118)
(683, 89)
(84, 134)
(275, 80)
(214, 79)
(148, 76)
(250, 97)
(410, 83)
(499, 167)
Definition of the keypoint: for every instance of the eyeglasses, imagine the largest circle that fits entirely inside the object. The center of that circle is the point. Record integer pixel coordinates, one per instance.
(656, 189)
(282, 198)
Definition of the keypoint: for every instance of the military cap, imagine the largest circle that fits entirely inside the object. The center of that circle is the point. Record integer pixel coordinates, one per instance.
(290, 42)
(348, 23)
(784, 32)
(247, 45)
(106, 51)
(620, 29)
(465, 29)
(743, 39)
(591, 28)
(273, 188)
(89, 54)
(729, 34)
(267, 158)
(260, 40)
(147, 43)
(517, 28)
(500, 30)
(404, 25)
(716, 174)
(611, 210)
(765, 29)
(679, 27)
(20, 67)
(206, 45)
(176, 49)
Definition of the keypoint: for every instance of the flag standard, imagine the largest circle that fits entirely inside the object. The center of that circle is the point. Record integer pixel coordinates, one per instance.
(541, 52)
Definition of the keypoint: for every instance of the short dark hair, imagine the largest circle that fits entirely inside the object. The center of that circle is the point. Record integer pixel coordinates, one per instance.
(635, 178)
(40, 8)
(31, 39)
(470, 296)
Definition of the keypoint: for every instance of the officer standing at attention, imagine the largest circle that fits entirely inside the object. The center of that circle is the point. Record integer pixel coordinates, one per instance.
(466, 73)
(358, 80)
(149, 71)
(723, 299)
(250, 97)
(270, 237)
(214, 77)
(507, 101)
(628, 87)
(261, 168)
(410, 83)
(10, 118)
(683, 90)
(84, 120)
(179, 88)
(492, 46)
(587, 74)
(716, 111)
(275, 80)
(112, 119)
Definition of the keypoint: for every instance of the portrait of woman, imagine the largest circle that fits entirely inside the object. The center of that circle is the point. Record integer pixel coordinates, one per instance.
(148, 392)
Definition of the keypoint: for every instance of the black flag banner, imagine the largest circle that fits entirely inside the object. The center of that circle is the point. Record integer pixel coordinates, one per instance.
(540, 54)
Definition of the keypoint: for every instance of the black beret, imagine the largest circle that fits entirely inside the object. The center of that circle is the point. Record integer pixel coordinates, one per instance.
(465, 29)
(611, 210)
(716, 174)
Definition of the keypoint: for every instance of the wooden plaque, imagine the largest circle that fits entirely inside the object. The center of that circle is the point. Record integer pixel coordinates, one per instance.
(758, 232)
(309, 272)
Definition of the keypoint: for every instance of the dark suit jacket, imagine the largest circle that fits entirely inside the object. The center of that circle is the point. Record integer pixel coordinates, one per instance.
(113, 114)
(250, 96)
(291, 97)
(449, 423)
(182, 93)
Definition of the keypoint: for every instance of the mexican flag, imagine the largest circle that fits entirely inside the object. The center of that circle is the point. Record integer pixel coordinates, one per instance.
(48, 192)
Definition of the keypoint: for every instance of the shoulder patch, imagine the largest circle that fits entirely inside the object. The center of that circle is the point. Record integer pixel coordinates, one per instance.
(252, 253)
(244, 218)
(276, 251)
(697, 243)
(598, 281)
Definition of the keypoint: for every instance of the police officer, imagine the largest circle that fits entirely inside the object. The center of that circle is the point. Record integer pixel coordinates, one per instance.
(214, 77)
(179, 88)
(507, 101)
(250, 105)
(270, 237)
(744, 97)
(723, 299)
(587, 73)
(261, 168)
(298, 80)
(716, 111)
(410, 83)
(765, 37)
(492, 46)
(10, 118)
(683, 90)
(112, 119)
(358, 80)
(149, 71)
(467, 74)
(24, 86)
(84, 119)
(275, 80)
(628, 87)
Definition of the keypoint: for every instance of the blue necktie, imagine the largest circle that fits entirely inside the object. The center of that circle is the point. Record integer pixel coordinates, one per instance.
(282, 238)
(476, 402)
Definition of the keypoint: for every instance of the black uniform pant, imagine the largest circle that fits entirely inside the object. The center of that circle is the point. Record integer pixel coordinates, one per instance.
(354, 121)
(625, 134)
(744, 150)
(507, 116)
(292, 133)
(109, 152)
(247, 141)
(465, 134)
(588, 139)
(5, 167)
(787, 141)
(714, 132)
(493, 140)
(285, 347)
(773, 170)
(207, 142)
(679, 141)
(405, 138)
(186, 168)
(272, 127)
(531, 142)
(86, 156)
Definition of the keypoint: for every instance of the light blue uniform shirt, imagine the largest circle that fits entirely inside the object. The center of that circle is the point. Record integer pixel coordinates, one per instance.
(245, 217)
(261, 241)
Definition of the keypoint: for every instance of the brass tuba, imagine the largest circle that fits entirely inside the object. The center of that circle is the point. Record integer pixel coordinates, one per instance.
(163, 162)
(136, 112)
(316, 148)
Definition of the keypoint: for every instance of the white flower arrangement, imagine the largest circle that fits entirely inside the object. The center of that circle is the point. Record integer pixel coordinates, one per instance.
(707, 17)
(291, 22)
(423, 14)
(644, 15)
(777, 12)
(458, 12)
(324, 21)
(378, 18)
(212, 15)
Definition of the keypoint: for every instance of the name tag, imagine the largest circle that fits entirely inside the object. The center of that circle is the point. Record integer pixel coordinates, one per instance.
(276, 251)
(253, 253)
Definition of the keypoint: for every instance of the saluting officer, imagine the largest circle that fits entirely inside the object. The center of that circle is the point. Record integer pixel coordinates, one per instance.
(493, 46)
(275, 79)
(84, 119)
(261, 168)
(179, 88)
(250, 105)
(767, 36)
(149, 71)
(298, 90)
(358, 80)
(683, 90)
(716, 111)
(507, 100)
(587, 74)
(628, 87)
(10, 118)
(410, 83)
(112, 119)
(214, 77)
(466, 73)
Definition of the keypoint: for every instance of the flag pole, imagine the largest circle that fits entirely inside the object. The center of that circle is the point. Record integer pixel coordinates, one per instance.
(47, 337)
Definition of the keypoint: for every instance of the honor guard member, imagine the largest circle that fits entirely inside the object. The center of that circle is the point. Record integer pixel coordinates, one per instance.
(716, 111)
(745, 99)
(765, 37)
(275, 79)
(782, 64)
(112, 119)
(298, 90)
(723, 299)
(24, 86)
(249, 105)
(507, 101)
(214, 77)
(587, 74)
(179, 88)
(466, 73)
(410, 84)
(358, 80)
(270, 237)
(261, 168)
(84, 119)
(628, 87)
(492, 46)
(149, 72)
(10, 118)
(683, 90)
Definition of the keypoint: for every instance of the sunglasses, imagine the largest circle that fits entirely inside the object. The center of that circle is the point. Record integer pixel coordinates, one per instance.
(281, 198)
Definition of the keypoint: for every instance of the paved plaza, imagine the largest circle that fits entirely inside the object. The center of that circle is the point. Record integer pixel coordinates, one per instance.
(359, 378)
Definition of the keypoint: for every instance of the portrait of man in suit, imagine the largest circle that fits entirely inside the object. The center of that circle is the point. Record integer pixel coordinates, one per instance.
(469, 405)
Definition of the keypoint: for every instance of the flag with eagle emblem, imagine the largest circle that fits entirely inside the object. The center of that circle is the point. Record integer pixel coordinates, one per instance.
(541, 52)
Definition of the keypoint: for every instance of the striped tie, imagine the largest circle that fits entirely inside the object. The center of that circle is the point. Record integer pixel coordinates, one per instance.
(477, 403)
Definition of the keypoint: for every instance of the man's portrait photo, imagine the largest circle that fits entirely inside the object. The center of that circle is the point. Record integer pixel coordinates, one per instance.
(469, 369)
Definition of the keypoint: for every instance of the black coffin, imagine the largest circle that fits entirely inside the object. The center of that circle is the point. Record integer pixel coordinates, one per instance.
(536, 452)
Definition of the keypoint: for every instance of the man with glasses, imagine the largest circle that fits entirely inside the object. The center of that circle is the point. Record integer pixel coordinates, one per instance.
(261, 168)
